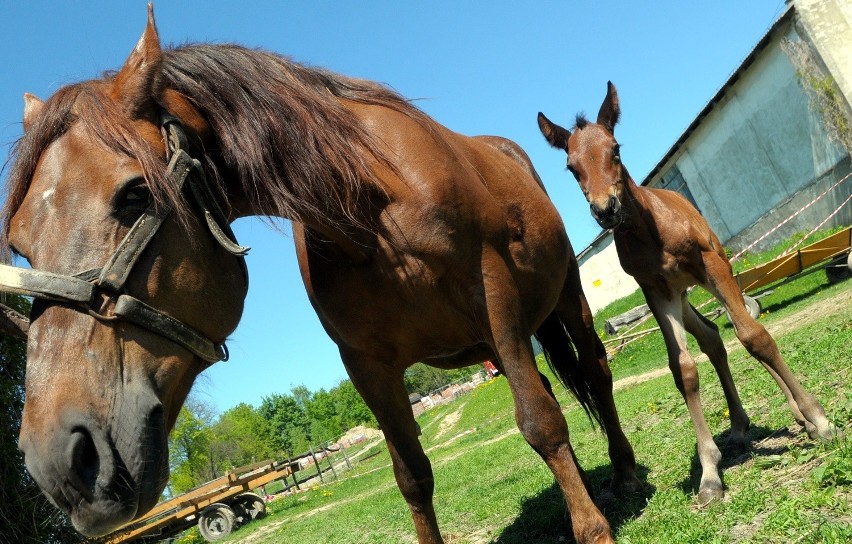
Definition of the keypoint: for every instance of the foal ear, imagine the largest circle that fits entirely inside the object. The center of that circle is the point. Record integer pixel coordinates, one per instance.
(555, 135)
(138, 84)
(610, 110)
(32, 108)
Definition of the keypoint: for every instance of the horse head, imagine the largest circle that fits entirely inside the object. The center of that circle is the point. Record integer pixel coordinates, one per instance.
(126, 314)
(594, 158)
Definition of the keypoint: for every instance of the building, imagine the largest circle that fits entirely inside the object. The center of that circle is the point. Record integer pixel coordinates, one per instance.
(759, 150)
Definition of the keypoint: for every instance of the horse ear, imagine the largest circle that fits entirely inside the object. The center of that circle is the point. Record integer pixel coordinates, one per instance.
(138, 84)
(555, 135)
(610, 110)
(32, 108)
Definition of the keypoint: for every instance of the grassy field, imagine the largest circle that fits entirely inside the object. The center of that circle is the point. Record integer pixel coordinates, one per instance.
(492, 488)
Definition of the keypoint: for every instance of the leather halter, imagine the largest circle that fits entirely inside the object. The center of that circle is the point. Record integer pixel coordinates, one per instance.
(101, 290)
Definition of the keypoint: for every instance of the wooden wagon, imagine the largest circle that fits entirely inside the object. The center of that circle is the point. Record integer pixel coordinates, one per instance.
(831, 253)
(217, 507)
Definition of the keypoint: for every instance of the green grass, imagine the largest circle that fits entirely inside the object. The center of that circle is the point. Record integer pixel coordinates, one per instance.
(491, 487)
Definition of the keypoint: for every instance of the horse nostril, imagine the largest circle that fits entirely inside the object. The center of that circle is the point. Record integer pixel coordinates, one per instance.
(85, 462)
(612, 204)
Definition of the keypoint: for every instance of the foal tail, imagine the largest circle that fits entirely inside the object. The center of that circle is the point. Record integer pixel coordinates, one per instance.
(562, 360)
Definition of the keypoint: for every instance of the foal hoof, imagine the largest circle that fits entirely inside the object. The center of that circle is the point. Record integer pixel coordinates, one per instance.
(824, 433)
(708, 495)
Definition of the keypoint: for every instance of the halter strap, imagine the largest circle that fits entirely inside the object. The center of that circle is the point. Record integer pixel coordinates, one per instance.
(81, 290)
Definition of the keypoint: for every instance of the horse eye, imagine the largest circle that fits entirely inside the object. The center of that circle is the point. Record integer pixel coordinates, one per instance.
(616, 153)
(135, 198)
(137, 195)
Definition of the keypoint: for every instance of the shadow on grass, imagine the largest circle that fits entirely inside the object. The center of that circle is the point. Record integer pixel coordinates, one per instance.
(762, 442)
(543, 517)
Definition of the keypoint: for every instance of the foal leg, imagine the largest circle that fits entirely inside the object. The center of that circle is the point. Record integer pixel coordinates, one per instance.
(668, 310)
(805, 407)
(383, 389)
(706, 333)
(574, 312)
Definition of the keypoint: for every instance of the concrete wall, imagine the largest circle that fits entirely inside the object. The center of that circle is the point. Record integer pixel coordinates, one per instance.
(602, 277)
(760, 145)
(828, 27)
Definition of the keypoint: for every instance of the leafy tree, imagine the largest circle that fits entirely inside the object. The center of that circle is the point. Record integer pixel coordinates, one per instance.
(240, 437)
(190, 456)
(351, 408)
(287, 423)
(423, 379)
(26, 516)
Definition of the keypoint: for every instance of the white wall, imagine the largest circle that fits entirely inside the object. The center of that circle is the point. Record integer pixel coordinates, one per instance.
(602, 277)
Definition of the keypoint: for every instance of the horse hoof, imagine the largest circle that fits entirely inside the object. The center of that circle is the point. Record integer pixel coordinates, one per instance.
(628, 485)
(708, 495)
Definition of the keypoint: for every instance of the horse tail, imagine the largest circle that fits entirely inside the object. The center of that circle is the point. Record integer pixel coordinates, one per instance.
(562, 359)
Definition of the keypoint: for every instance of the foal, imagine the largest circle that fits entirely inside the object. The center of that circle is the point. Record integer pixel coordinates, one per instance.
(667, 246)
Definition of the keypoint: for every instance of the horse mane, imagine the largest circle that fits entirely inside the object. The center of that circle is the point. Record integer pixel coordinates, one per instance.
(279, 128)
(580, 122)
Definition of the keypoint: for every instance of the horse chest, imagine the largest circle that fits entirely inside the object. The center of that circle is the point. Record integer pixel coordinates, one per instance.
(650, 263)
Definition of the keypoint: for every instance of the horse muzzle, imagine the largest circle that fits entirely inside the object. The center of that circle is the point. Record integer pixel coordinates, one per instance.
(608, 214)
(102, 478)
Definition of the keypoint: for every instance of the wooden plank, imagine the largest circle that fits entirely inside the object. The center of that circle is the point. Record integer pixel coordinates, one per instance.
(788, 265)
(176, 511)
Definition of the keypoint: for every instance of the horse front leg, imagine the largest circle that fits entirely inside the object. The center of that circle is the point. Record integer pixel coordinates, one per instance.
(382, 388)
(668, 311)
(806, 409)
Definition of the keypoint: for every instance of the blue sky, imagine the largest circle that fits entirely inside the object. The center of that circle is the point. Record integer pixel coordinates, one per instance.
(478, 67)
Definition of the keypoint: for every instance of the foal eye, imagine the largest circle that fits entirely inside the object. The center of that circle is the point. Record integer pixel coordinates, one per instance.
(616, 153)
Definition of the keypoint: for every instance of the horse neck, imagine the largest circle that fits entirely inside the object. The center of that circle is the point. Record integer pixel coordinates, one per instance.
(634, 204)
(330, 224)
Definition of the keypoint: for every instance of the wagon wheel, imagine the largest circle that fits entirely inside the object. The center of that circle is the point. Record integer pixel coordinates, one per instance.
(837, 272)
(216, 522)
(752, 305)
(253, 506)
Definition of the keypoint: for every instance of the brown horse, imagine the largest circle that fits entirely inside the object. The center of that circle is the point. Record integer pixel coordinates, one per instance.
(415, 244)
(667, 246)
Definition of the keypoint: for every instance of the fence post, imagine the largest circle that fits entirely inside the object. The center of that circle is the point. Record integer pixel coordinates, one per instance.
(345, 457)
(316, 464)
(330, 464)
(292, 473)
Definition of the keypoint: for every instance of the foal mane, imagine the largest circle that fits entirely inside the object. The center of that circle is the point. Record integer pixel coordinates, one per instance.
(279, 129)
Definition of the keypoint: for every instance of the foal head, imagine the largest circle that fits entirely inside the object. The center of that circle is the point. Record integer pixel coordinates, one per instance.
(102, 393)
(594, 158)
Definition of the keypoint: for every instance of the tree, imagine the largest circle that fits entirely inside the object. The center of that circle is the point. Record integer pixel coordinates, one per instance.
(351, 408)
(190, 456)
(26, 516)
(240, 436)
(423, 379)
(287, 423)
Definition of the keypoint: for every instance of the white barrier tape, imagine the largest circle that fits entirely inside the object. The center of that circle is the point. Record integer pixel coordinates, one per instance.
(800, 210)
(816, 228)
